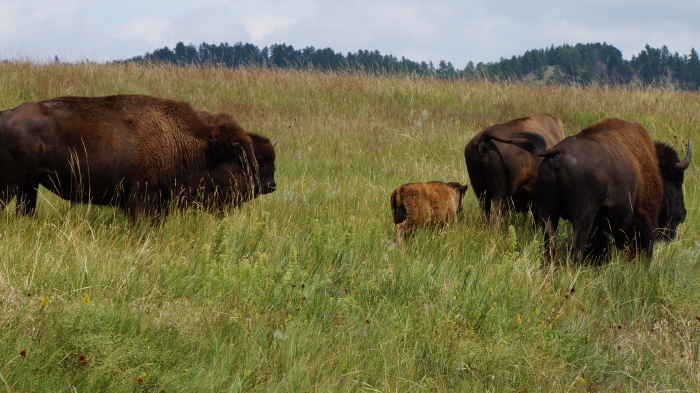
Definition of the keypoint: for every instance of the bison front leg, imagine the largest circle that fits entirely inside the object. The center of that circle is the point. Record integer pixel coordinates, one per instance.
(26, 199)
(644, 237)
(145, 202)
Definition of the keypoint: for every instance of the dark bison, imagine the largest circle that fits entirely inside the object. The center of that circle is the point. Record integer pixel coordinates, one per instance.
(507, 174)
(131, 151)
(417, 204)
(610, 178)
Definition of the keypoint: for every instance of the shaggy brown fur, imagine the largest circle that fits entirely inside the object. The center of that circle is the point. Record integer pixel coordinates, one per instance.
(133, 151)
(607, 178)
(417, 204)
(504, 173)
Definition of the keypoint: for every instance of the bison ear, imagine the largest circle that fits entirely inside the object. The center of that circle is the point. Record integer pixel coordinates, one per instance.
(463, 189)
(216, 133)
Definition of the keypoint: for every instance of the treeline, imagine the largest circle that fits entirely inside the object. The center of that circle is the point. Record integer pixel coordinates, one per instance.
(581, 63)
(601, 63)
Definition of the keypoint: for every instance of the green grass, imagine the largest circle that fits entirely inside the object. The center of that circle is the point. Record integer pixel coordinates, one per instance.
(303, 290)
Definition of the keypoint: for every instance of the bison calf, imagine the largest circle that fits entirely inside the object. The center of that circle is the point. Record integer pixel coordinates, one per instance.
(417, 204)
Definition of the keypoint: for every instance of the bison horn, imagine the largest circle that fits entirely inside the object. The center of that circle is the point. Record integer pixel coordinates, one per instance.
(683, 165)
(275, 142)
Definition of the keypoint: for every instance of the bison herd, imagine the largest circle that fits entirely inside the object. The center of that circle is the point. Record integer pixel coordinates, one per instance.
(609, 179)
(145, 154)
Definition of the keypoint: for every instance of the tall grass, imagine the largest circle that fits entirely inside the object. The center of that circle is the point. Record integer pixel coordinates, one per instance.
(303, 290)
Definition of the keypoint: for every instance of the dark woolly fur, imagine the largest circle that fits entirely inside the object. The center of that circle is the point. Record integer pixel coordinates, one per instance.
(502, 161)
(134, 151)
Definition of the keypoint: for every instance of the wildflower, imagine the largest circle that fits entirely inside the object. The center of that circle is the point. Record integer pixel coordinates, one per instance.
(44, 301)
(518, 319)
(86, 298)
(367, 321)
(572, 290)
(23, 352)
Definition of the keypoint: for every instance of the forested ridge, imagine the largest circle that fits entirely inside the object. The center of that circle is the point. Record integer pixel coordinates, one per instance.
(580, 63)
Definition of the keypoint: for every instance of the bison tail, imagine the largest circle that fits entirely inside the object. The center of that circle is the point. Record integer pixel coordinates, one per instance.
(527, 140)
(398, 209)
(550, 152)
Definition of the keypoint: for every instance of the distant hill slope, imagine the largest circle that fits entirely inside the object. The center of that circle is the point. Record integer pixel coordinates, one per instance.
(581, 63)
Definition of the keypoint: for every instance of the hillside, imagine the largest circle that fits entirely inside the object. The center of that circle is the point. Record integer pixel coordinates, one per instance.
(582, 63)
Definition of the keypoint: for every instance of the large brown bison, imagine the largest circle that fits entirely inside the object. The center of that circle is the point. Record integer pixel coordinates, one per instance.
(610, 178)
(504, 173)
(416, 204)
(132, 151)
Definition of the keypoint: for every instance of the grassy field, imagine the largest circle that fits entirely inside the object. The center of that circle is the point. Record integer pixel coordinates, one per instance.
(302, 289)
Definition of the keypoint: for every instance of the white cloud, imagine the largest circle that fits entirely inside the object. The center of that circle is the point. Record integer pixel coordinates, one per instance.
(153, 31)
(260, 25)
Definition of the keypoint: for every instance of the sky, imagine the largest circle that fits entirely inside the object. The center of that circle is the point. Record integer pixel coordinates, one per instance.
(430, 30)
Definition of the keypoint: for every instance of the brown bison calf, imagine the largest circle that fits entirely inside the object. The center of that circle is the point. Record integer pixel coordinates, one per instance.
(417, 204)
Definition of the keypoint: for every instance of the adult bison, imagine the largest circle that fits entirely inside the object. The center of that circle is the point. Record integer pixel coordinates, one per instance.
(504, 173)
(610, 178)
(132, 151)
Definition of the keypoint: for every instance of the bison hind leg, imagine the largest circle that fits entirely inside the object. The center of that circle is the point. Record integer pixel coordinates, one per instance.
(400, 232)
(598, 247)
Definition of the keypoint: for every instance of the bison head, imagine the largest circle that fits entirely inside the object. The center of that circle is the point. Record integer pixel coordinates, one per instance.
(672, 211)
(461, 189)
(265, 157)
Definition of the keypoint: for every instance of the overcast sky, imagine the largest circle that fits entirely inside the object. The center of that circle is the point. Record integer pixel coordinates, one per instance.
(431, 30)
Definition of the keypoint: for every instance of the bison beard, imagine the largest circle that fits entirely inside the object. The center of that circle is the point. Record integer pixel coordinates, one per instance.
(136, 152)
